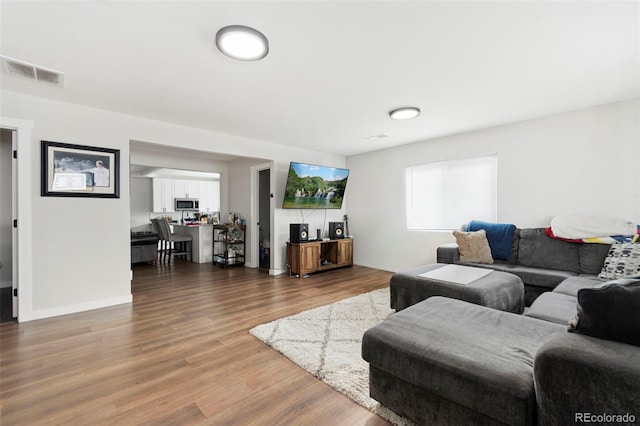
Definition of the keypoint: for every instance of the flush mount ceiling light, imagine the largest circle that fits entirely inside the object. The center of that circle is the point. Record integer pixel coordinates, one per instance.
(242, 43)
(404, 113)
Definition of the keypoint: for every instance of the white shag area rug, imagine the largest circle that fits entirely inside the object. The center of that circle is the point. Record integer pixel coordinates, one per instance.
(326, 341)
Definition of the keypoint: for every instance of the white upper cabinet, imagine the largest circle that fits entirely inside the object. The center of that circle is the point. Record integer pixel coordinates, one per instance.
(209, 196)
(163, 195)
(179, 190)
(165, 191)
(192, 189)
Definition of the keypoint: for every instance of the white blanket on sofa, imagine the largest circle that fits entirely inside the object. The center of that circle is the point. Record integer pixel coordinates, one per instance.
(576, 227)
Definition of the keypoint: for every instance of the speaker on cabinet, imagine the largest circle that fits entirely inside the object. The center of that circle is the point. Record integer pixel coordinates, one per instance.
(298, 232)
(336, 230)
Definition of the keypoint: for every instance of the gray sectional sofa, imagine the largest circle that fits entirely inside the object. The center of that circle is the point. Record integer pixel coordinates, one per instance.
(540, 261)
(444, 361)
(572, 357)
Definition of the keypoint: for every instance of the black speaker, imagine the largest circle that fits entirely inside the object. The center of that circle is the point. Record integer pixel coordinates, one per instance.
(336, 230)
(298, 232)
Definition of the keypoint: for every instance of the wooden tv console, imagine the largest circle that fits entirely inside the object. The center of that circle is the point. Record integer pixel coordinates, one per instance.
(315, 256)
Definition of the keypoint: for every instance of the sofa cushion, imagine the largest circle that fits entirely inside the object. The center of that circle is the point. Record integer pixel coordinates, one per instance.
(592, 257)
(622, 261)
(571, 285)
(475, 356)
(473, 246)
(537, 250)
(610, 311)
(540, 277)
(554, 307)
(514, 247)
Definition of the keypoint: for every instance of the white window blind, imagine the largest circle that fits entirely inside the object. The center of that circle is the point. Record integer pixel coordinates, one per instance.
(445, 195)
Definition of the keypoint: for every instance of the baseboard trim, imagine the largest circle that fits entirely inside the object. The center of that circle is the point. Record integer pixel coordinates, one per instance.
(378, 267)
(37, 314)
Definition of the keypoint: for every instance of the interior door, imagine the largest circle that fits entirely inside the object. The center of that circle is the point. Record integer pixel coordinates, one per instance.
(14, 229)
(264, 218)
(8, 232)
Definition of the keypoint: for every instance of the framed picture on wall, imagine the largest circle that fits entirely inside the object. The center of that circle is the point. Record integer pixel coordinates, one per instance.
(79, 171)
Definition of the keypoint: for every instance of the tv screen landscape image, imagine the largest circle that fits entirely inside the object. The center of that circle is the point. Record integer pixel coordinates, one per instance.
(314, 187)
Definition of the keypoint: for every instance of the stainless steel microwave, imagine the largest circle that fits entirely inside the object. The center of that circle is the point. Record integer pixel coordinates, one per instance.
(187, 204)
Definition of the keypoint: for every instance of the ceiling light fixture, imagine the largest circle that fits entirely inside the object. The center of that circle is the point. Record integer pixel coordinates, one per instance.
(404, 113)
(376, 137)
(242, 43)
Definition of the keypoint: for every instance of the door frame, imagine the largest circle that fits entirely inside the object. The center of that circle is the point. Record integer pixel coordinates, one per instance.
(22, 196)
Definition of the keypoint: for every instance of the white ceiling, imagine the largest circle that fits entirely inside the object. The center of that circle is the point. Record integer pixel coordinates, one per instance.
(334, 68)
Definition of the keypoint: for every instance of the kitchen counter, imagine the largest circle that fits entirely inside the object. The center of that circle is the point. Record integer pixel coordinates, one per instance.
(202, 240)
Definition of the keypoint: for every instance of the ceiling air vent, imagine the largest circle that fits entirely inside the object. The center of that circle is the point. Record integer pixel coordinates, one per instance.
(16, 68)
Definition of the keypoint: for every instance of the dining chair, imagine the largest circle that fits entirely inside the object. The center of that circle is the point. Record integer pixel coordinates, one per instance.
(172, 244)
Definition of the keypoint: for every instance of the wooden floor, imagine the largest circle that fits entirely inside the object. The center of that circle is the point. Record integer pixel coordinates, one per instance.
(180, 354)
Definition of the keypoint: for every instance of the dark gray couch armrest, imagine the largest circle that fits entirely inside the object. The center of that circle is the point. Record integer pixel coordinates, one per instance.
(447, 253)
(578, 376)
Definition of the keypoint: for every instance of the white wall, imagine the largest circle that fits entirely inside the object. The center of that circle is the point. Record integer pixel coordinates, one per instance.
(80, 252)
(581, 162)
(81, 247)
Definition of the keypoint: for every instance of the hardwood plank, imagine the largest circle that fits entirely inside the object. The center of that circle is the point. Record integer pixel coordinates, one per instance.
(181, 353)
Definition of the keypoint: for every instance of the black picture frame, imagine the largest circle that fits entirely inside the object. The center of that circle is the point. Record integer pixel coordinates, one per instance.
(69, 170)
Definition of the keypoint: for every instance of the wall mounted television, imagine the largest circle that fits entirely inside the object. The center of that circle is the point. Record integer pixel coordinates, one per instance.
(314, 187)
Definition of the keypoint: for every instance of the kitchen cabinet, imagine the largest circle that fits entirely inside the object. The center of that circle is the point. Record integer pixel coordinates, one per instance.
(163, 195)
(186, 188)
(209, 196)
(165, 191)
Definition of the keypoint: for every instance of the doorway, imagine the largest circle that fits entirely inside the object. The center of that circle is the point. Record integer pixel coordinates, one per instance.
(264, 219)
(7, 173)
